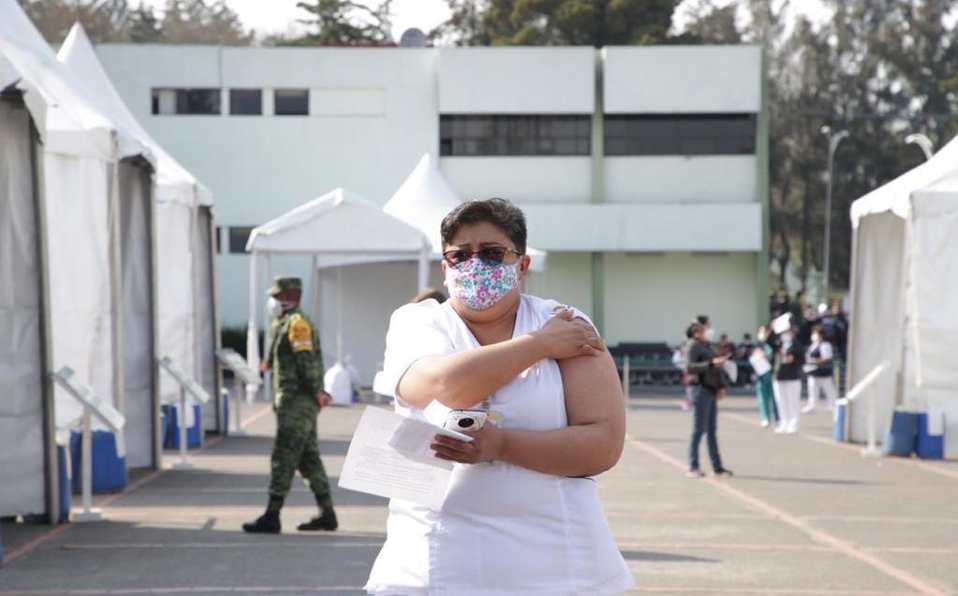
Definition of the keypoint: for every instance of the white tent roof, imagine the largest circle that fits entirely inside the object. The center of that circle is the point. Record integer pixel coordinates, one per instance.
(941, 171)
(174, 182)
(341, 223)
(66, 121)
(426, 197)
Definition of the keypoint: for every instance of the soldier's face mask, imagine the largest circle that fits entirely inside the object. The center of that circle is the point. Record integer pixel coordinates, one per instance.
(274, 306)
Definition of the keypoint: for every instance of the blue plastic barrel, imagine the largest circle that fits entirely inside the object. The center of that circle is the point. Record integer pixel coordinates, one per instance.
(838, 420)
(902, 434)
(194, 434)
(927, 445)
(109, 469)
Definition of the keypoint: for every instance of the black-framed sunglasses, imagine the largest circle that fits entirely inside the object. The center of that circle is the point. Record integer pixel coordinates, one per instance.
(489, 254)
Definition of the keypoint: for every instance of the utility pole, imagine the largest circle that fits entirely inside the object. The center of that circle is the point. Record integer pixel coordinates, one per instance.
(833, 141)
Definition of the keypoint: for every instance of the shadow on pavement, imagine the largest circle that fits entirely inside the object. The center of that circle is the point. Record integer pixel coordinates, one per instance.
(636, 555)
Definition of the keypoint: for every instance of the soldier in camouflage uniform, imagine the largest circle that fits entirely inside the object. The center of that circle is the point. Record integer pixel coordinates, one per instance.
(297, 364)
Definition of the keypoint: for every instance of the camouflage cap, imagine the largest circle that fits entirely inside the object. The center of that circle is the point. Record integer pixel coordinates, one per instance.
(283, 284)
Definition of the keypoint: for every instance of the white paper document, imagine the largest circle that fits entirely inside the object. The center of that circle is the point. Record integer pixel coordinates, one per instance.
(389, 456)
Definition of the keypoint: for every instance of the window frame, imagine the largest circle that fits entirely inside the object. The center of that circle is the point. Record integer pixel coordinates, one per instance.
(277, 102)
(515, 135)
(685, 135)
(233, 239)
(185, 100)
(246, 90)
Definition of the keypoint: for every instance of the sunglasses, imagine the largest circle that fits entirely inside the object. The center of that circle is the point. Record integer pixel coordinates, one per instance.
(490, 254)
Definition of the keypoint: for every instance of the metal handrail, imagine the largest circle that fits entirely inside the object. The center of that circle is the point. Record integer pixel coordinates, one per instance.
(856, 392)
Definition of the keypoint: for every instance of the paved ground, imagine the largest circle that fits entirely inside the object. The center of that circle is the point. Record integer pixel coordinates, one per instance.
(803, 516)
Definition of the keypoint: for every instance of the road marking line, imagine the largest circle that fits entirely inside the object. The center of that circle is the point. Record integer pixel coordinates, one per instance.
(852, 447)
(880, 519)
(187, 590)
(214, 545)
(20, 552)
(724, 546)
(799, 524)
(783, 591)
(716, 517)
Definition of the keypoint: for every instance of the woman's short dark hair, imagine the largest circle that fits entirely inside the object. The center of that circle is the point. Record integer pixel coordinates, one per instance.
(499, 212)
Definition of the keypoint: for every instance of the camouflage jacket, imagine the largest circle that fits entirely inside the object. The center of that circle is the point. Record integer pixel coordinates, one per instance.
(295, 357)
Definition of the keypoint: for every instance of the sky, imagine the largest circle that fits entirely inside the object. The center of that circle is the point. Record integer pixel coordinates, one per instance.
(279, 16)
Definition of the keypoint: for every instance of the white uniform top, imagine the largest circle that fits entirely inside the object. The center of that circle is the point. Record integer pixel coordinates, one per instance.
(503, 530)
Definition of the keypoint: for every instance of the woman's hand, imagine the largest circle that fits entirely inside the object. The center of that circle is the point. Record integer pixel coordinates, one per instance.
(565, 336)
(485, 446)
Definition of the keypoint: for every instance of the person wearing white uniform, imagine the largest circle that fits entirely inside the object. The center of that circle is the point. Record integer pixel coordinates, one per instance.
(522, 514)
(820, 371)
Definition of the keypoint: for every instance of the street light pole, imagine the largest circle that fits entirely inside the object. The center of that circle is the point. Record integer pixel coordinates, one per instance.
(833, 141)
(927, 147)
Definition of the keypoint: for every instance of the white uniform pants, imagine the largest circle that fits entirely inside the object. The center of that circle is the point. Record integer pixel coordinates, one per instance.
(788, 394)
(822, 384)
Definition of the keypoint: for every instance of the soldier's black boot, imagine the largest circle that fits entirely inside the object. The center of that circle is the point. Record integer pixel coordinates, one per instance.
(268, 523)
(327, 521)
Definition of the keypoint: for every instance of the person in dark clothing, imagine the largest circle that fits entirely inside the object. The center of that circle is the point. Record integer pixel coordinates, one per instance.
(789, 360)
(708, 382)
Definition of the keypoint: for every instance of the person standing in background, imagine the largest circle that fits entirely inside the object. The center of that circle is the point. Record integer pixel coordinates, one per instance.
(821, 372)
(708, 382)
(789, 359)
(760, 358)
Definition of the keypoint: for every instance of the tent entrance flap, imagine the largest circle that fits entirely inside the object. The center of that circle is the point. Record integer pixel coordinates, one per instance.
(136, 295)
(22, 436)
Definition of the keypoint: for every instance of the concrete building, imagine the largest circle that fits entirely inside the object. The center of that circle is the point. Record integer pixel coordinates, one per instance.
(642, 170)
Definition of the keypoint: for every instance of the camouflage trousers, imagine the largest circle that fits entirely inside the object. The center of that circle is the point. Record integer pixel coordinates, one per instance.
(296, 448)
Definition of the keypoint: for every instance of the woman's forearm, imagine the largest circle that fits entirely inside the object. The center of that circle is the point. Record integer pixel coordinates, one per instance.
(462, 379)
(573, 451)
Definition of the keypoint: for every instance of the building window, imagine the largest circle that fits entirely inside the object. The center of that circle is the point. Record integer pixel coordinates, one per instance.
(219, 239)
(291, 102)
(238, 237)
(476, 135)
(186, 101)
(246, 102)
(680, 134)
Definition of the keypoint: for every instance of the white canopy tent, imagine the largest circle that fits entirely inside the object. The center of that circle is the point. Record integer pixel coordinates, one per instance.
(69, 180)
(185, 254)
(425, 198)
(339, 224)
(904, 283)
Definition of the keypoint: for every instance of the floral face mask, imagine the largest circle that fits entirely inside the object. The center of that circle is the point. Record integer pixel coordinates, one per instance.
(479, 284)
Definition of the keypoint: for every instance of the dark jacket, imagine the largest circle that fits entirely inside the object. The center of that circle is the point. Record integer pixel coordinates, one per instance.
(790, 369)
(698, 361)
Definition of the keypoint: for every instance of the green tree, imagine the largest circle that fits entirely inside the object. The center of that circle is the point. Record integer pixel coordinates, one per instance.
(557, 22)
(196, 21)
(344, 22)
(143, 25)
(104, 21)
(879, 69)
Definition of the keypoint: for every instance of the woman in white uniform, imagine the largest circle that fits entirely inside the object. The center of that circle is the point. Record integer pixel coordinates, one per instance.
(522, 515)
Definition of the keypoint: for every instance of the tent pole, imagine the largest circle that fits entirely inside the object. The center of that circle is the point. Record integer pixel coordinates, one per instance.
(252, 337)
(850, 356)
(314, 288)
(267, 321)
(339, 314)
(51, 457)
(423, 268)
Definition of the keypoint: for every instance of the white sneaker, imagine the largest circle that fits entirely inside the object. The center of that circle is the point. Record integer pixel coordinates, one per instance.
(765, 423)
(808, 409)
(779, 430)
